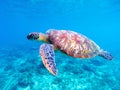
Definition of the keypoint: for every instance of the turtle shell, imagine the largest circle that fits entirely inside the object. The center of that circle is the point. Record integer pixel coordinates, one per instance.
(73, 44)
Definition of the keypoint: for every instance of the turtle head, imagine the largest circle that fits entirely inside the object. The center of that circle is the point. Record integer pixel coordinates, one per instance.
(33, 36)
(37, 36)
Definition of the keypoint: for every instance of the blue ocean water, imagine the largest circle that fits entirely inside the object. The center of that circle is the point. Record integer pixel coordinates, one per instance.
(21, 67)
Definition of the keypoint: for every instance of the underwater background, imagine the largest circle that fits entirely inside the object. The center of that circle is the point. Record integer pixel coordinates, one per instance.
(21, 67)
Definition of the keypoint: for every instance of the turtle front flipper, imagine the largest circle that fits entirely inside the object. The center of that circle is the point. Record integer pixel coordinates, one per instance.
(48, 57)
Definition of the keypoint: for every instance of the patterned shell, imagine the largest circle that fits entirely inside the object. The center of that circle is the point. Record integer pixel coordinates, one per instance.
(73, 44)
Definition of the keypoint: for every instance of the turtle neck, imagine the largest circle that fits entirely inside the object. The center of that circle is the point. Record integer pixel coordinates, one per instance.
(43, 37)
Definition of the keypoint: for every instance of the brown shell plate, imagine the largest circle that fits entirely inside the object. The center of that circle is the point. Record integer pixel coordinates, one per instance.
(73, 44)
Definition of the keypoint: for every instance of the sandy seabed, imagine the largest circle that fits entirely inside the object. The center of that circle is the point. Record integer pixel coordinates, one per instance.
(21, 68)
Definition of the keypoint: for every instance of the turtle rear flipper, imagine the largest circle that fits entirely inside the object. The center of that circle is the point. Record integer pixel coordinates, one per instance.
(48, 57)
(106, 55)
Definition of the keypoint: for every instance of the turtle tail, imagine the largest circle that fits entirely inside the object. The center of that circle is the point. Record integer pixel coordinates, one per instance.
(106, 55)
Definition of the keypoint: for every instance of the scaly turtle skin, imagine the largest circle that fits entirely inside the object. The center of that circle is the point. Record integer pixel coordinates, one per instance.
(71, 43)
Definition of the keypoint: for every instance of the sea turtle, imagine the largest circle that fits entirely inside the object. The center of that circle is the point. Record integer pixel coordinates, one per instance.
(69, 42)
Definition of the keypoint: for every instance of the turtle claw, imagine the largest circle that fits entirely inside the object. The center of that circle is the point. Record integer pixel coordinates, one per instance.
(48, 58)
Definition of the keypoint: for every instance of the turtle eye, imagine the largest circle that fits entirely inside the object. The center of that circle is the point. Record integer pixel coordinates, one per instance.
(35, 36)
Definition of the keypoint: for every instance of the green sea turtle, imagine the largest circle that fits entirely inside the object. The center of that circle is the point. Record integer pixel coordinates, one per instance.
(69, 42)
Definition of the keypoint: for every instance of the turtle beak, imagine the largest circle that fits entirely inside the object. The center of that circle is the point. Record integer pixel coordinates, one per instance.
(28, 36)
(33, 36)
